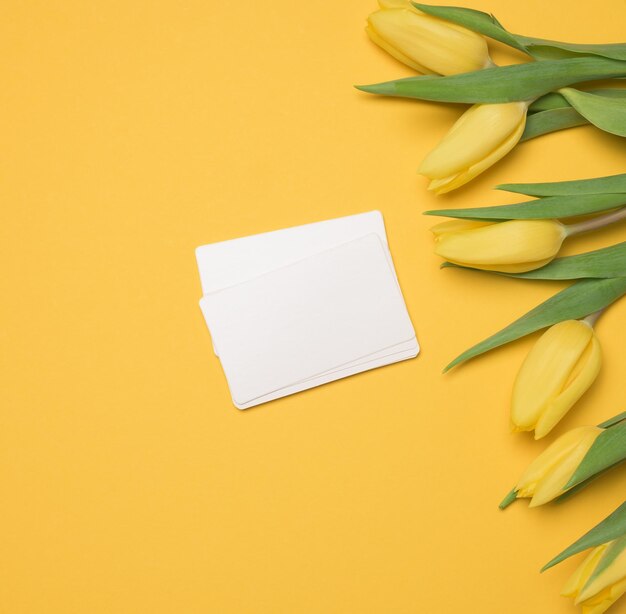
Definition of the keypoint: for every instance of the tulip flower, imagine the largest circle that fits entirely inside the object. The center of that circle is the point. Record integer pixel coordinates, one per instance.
(547, 476)
(514, 246)
(601, 579)
(559, 369)
(479, 138)
(427, 44)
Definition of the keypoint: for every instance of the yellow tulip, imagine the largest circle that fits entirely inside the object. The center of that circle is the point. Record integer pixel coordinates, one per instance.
(479, 138)
(559, 369)
(597, 594)
(547, 475)
(509, 247)
(428, 44)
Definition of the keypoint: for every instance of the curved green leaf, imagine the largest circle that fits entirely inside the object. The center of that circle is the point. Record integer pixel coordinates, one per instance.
(608, 449)
(553, 100)
(613, 421)
(575, 302)
(612, 527)
(552, 120)
(598, 185)
(474, 20)
(501, 83)
(601, 263)
(547, 49)
(537, 47)
(608, 114)
(550, 207)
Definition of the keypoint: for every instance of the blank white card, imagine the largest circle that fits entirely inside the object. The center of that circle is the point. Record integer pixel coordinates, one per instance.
(334, 310)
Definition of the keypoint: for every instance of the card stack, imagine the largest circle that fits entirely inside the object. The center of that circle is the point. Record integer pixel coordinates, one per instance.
(299, 307)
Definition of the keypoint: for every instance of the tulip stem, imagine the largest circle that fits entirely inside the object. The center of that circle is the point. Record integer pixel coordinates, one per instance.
(508, 499)
(596, 222)
(592, 318)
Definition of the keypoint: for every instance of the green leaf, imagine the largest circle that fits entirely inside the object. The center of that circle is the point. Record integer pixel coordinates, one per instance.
(575, 302)
(613, 421)
(537, 47)
(598, 185)
(612, 527)
(474, 20)
(548, 49)
(553, 100)
(607, 450)
(550, 207)
(552, 120)
(608, 114)
(603, 263)
(502, 83)
(600, 263)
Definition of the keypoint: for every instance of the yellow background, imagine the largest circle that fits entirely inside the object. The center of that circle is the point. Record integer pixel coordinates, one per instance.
(130, 133)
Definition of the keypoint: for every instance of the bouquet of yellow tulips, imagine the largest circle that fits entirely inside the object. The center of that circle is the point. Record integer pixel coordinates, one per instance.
(509, 103)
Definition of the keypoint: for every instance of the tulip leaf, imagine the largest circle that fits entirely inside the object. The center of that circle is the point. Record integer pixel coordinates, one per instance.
(502, 83)
(551, 120)
(603, 263)
(553, 100)
(550, 207)
(474, 20)
(537, 47)
(577, 301)
(598, 185)
(613, 421)
(608, 114)
(612, 527)
(608, 449)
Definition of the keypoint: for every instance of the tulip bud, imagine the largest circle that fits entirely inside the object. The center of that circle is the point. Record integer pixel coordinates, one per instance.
(427, 44)
(559, 369)
(479, 138)
(547, 476)
(509, 247)
(601, 579)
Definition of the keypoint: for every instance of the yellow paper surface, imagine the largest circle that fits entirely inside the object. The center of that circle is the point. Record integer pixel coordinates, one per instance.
(130, 133)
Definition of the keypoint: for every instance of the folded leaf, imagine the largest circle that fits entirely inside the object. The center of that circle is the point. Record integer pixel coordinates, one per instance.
(502, 83)
(601, 263)
(550, 207)
(473, 20)
(537, 47)
(551, 120)
(608, 114)
(553, 100)
(598, 185)
(608, 450)
(577, 301)
(612, 527)
(613, 421)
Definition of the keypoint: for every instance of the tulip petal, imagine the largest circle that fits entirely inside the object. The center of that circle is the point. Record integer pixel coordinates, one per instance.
(478, 133)
(552, 485)
(584, 374)
(546, 369)
(442, 47)
(508, 268)
(447, 185)
(549, 459)
(513, 242)
(614, 574)
(457, 226)
(393, 52)
(579, 578)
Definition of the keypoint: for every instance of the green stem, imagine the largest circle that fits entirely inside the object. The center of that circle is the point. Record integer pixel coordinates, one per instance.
(596, 222)
(508, 499)
(592, 318)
